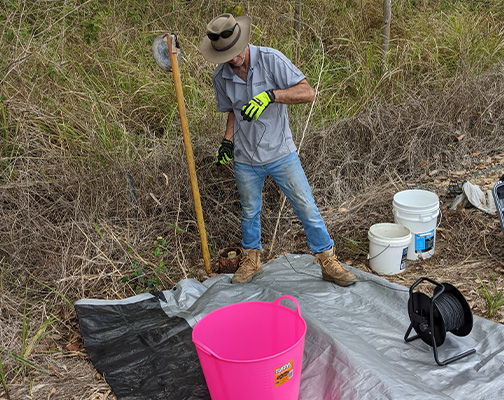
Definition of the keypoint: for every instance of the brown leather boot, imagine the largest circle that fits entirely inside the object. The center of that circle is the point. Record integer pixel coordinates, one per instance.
(250, 265)
(332, 270)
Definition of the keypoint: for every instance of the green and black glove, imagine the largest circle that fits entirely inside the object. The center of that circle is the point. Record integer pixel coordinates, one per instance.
(255, 107)
(224, 153)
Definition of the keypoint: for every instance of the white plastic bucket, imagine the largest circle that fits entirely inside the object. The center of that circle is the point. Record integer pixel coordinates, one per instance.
(418, 211)
(388, 248)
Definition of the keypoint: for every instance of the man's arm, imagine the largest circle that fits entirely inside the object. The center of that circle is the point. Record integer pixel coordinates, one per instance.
(297, 94)
(229, 134)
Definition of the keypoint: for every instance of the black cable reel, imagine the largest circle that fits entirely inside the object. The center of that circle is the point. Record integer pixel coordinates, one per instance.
(432, 318)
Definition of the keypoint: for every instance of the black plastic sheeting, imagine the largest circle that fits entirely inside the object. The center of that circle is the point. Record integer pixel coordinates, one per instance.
(354, 346)
(142, 353)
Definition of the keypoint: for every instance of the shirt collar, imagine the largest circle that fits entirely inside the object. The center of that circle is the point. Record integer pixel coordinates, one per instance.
(253, 56)
(227, 71)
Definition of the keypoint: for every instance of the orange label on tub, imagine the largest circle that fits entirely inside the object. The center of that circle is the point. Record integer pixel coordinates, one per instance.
(284, 373)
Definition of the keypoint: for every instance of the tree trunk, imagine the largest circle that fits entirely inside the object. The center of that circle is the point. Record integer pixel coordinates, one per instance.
(387, 13)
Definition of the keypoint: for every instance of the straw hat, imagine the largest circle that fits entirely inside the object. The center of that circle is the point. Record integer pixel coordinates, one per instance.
(223, 49)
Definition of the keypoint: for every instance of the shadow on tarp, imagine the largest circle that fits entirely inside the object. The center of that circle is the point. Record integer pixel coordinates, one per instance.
(354, 347)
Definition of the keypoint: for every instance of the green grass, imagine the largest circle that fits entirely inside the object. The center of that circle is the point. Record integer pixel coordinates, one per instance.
(2, 378)
(494, 297)
(98, 55)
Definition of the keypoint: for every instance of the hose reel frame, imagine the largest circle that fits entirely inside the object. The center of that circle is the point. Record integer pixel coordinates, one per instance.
(431, 320)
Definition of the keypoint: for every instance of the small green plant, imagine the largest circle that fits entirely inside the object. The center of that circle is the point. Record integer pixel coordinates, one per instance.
(147, 276)
(212, 247)
(4, 381)
(22, 361)
(159, 249)
(28, 346)
(358, 246)
(176, 227)
(91, 31)
(494, 297)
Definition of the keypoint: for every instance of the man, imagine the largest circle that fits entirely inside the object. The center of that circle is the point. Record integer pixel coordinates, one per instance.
(253, 85)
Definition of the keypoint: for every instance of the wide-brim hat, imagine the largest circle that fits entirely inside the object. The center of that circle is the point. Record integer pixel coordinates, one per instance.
(225, 49)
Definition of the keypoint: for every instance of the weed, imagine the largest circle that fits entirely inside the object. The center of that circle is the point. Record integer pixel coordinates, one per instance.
(28, 345)
(91, 31)
(141, 278)
(66, 299)
(24, 362)
(148, 276)
(358, 246)
(4, 381)
(212, 247)
(176, 228)
(494, 296)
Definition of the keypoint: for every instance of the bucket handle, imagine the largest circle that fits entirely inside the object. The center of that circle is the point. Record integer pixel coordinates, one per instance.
(381, 252)
(425, 219)
(277, 301)
(439, 223)
(437, 226)
(205, 349)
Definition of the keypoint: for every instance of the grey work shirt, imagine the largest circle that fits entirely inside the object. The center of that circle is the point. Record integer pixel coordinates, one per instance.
(269, 138)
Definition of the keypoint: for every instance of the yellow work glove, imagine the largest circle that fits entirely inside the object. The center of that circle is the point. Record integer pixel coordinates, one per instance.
(255, 107)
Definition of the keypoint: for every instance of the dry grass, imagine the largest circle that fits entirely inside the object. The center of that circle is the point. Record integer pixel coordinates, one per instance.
(77, 231)
(93, 170)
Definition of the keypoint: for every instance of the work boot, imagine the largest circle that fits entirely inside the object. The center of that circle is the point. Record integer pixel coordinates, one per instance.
(332, 270)
(250, 265)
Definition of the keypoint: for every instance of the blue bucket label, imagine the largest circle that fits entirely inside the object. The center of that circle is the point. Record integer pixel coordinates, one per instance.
(404, 257)
(424, 241)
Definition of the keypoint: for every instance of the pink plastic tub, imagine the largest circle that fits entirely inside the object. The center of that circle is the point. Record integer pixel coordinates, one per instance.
(252, 350)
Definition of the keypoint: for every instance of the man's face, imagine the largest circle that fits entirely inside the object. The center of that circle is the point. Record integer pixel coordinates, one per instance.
(239, 59)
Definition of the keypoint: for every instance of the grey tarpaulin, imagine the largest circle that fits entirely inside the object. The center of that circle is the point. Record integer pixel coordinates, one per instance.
(354, 347)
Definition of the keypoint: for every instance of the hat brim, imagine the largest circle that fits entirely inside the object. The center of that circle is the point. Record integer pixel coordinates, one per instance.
(220, 57)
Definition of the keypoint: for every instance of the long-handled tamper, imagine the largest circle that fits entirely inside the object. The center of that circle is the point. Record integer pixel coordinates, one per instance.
(166, 52)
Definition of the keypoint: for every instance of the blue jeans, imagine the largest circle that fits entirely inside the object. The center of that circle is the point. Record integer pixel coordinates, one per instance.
(290, 177)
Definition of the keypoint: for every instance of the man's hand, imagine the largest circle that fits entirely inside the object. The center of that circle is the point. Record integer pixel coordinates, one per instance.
(255, 107)
(224, 153)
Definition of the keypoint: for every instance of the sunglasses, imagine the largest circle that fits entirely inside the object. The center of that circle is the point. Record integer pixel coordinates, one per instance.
(224, 34)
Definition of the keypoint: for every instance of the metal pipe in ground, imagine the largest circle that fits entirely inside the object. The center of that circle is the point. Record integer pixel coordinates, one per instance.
(188, 148)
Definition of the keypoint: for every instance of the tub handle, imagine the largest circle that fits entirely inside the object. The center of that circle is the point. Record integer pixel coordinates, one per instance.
(298, 310)
(205, 349)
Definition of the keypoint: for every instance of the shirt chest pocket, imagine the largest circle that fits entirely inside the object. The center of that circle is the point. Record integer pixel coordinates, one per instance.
(238, 94)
